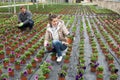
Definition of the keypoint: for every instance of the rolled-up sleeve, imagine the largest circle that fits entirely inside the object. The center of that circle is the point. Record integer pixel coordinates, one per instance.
(65, 30)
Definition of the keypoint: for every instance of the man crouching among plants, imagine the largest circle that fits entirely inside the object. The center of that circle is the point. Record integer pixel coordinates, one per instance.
(25, 19)
(56, 36)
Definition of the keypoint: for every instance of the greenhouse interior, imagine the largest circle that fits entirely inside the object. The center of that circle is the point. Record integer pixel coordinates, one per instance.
(59, 39)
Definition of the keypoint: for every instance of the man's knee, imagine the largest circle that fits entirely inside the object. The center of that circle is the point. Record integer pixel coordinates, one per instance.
(31, 22)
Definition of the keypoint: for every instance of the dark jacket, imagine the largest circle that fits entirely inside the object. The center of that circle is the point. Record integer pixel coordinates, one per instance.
(24, 17)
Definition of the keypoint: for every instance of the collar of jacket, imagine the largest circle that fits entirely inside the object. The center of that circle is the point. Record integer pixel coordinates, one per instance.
(49, 28)
(24, 12)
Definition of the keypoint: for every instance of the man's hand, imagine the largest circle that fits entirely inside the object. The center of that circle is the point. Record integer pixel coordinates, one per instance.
(20, 24)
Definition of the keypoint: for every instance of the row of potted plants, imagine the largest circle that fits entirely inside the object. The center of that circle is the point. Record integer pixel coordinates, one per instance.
(108, 57)
(81, 67)
(111, 43)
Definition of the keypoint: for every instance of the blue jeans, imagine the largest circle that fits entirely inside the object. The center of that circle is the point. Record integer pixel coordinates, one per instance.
(29, 24)
(58, 47)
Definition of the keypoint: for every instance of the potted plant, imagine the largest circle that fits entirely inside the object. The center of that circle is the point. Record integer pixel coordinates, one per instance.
(100, 76)
(27, 54)
(6, 62)
(93, 58)
(12, 56)
(2, 54)
(81, 56)
(62, 74)
(113, 77)
(1, 46)
(111, 65)
(81, 61)
(94, 65)
(16, 43)
(118, 54)
(1, 66)
(8, 50)
(36, 37)
(80, 73)
(22, 48)
(13, 47)
(11, 71)
(81, 45)
(20, 40)
(46, 72)
(6, 44)
(49, 46)
(69, 39)
(79, 77)
(47, 63)
(93, 44)
(82, 66)
(23, 75)
(82, 42)
(29, 68)
(41, 52)
(39, 57)
(104, 48)
(114, 70)
(45, 69)
(33, 40)
(4, 76)
(53, 56)
(35, 46)
(17, 52)
(24, 38)
(81, 52)
(25, 45)
(32, 50)
(41, 77)
(8, 37)
(68, 53)
(17, 64)
(100, 69)
(23, 59)
(95, 50)
(33, 62)
(29, 43)
(41, 41)
(38, 44)
(66, 59)
(64, 67)
(81, 69)
(109, 58)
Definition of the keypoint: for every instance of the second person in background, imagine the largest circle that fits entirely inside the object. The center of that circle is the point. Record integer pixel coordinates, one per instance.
(25, 19)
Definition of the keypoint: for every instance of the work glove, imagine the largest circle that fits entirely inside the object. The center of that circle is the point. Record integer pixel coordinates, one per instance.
(20, 24)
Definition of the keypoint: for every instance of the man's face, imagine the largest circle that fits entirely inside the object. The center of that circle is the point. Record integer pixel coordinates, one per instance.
(23, 10)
